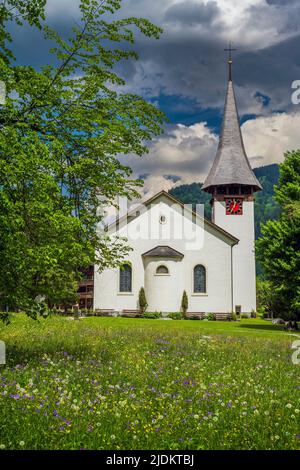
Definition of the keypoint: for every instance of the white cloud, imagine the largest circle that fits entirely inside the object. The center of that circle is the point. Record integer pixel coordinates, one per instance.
(187, 152)
(183, 151)
(268, 138)
(155, 183)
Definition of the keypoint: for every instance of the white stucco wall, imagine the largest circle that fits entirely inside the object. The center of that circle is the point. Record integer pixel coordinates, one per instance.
(244, 275)
(198, 243)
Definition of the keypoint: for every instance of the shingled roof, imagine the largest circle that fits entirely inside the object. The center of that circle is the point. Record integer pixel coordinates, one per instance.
(231, 165)
(163, 251)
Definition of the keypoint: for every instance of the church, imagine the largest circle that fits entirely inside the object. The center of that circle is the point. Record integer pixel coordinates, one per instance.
(175, 249)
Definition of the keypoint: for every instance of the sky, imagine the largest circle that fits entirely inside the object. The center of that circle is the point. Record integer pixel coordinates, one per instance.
(185, 74)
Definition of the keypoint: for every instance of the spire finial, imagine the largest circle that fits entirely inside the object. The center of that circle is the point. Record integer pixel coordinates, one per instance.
(230, 50)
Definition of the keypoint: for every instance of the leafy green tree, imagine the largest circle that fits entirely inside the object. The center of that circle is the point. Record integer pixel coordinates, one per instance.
(279, 248)
(269, 303)
(65, 132)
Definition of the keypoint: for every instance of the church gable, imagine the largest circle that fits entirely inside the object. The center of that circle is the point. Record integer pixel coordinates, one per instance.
(163, 212)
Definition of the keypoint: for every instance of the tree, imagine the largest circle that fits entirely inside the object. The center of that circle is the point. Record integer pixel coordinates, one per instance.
(184, 303)
(279, 248)
(268, 302)
(65, 132)
(142, 300)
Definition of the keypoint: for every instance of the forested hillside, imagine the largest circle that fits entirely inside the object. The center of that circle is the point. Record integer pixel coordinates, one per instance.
(265, 206)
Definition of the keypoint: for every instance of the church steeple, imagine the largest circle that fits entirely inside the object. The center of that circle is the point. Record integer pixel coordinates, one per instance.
(232, 183)
(231, 165)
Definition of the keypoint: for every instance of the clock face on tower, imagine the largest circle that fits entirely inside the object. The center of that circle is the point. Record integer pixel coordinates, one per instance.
(234, 206)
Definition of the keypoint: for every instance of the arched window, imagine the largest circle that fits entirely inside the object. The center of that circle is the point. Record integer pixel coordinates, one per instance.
(162, 270)
(199, 279)
(125, 278)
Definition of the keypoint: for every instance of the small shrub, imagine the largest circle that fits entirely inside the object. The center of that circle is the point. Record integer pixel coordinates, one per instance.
(233, 316)
(175, 315)
(151, 315)
(291, 326)
(83, 311)
(244, 315)
(261, 313)
(210, 316)
(55, 311)
(184, 303)
(36, 309)
(253, 314)
(143, 304)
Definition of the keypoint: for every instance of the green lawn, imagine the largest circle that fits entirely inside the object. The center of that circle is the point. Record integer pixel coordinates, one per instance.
(116, 383)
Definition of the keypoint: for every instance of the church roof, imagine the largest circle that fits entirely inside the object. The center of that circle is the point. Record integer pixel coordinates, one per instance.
(231, 164)
(163, 251)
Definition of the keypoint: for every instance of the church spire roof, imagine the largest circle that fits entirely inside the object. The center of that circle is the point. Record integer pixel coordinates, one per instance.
(231, 164)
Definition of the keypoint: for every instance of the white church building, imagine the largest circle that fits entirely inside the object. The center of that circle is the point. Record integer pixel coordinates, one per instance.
(175, 249)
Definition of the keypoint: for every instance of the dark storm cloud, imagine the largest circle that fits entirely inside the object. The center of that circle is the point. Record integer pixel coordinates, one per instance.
(272, 71)
(194, 69)
(185, 72)
(190, 12)
(197, 70)
(188, 61)
(281, 2)
(29, 44)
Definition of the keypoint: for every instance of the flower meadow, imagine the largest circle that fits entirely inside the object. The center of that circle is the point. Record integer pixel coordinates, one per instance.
(103, 383)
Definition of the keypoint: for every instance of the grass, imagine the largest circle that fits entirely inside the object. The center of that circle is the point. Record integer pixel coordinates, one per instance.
(117, 383)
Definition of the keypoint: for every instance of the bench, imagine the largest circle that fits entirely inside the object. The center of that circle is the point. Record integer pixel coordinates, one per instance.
(223, 316)
(104, 312)
(201, 316)
(130, 313)
(195, 315)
